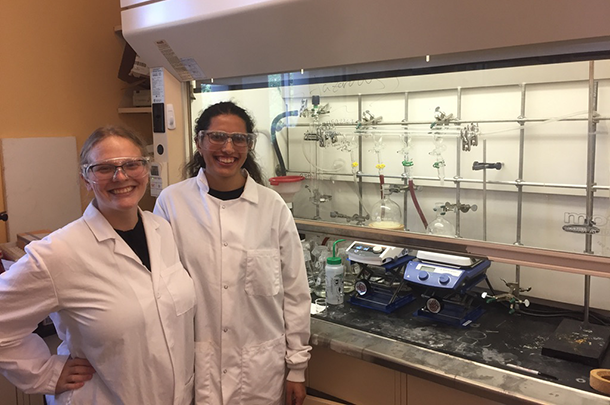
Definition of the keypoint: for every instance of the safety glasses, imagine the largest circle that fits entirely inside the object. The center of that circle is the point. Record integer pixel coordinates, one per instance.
(104, 171)
(241, 141)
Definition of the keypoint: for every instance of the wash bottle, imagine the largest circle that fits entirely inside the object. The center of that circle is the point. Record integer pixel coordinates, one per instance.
(334, 278)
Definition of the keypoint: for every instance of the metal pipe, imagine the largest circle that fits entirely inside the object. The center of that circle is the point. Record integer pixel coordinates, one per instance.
(591, 140)
(484, 191)
(427, 90)
(475, 181)
(360, 190)
(505, 121)
(458, 170)
(520, 185)
(405, 195)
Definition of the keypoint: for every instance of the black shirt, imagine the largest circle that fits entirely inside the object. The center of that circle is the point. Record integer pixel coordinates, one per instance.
(227, 195)
(136, 239)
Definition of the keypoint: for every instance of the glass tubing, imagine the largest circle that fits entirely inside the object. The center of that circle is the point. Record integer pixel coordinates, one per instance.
(590, 187)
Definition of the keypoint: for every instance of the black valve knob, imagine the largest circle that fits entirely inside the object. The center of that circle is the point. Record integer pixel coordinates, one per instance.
(483, 165)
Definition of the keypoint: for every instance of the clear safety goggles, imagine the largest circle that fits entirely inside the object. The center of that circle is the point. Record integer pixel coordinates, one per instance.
(100, 172)
(240, 141)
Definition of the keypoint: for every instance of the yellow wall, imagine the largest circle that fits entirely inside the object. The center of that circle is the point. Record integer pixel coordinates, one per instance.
(58, 72)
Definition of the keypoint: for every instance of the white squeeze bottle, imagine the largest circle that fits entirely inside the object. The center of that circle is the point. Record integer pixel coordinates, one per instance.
(334, 278)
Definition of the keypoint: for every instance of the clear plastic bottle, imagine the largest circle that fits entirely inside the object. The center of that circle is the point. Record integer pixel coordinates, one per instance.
(334, 278)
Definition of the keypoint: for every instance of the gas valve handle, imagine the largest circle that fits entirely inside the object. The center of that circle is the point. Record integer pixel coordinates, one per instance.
(483, 165)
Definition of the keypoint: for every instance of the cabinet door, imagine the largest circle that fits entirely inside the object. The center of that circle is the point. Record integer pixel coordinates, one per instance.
(420, 391)
(310, 400)
(8, 392)
(25, 399)
(353, 380)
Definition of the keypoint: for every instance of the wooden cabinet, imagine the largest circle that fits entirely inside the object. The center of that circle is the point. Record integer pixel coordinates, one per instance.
(8, 392)
(362, 383)
(353, 380)
(10, 395)
(310, 400)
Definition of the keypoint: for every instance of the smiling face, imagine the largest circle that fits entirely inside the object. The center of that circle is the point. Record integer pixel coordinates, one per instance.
(117, 198)
(223, 162)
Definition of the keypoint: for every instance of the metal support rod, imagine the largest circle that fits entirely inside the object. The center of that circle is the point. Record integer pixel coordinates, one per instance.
(360, 191)
(591, 140)
(458, 170)
(439, 89)
(520, 186)
(405, 194)
(484, 191)
(476, 181)
(457, 122)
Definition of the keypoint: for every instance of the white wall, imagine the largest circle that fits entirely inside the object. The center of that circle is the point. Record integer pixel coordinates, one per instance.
(42, 188)
(555, 153)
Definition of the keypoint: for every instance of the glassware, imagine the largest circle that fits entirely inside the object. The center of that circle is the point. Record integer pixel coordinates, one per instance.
(440, 226)
(386, 214)
(320, 254)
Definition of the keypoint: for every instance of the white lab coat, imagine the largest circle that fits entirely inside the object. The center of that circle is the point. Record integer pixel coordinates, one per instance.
(252, 320)
(133, 325)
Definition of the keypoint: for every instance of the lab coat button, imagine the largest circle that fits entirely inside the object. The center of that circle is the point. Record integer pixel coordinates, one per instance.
(224, 371)
(222, 206)
(225, 244)
(225, 329)
(226, 287)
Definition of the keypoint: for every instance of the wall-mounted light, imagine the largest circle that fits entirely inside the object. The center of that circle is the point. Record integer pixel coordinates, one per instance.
(427, 58)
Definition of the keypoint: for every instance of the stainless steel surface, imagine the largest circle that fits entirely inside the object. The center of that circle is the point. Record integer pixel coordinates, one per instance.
(465, 375)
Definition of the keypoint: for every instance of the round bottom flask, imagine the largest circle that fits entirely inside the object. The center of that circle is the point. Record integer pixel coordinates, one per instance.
(386, 215)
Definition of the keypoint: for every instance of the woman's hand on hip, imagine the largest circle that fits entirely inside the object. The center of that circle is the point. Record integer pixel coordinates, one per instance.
(295, 393)
(75, 374)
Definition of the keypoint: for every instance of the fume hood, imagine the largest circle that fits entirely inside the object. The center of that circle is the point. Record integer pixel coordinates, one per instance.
(210, 39)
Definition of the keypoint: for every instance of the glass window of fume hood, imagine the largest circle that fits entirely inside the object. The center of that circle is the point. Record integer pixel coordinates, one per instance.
(515, 155)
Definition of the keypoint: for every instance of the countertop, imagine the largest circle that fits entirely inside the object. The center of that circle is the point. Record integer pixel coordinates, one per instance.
(473, 359)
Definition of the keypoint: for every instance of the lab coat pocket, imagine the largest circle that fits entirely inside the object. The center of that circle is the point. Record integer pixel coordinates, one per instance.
(263, 372)
(180, 287)
(263, 272)
(188, 393)
(203, 364)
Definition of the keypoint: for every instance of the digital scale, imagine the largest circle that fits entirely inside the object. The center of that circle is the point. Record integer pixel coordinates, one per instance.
(379, 284)
(447, 280)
